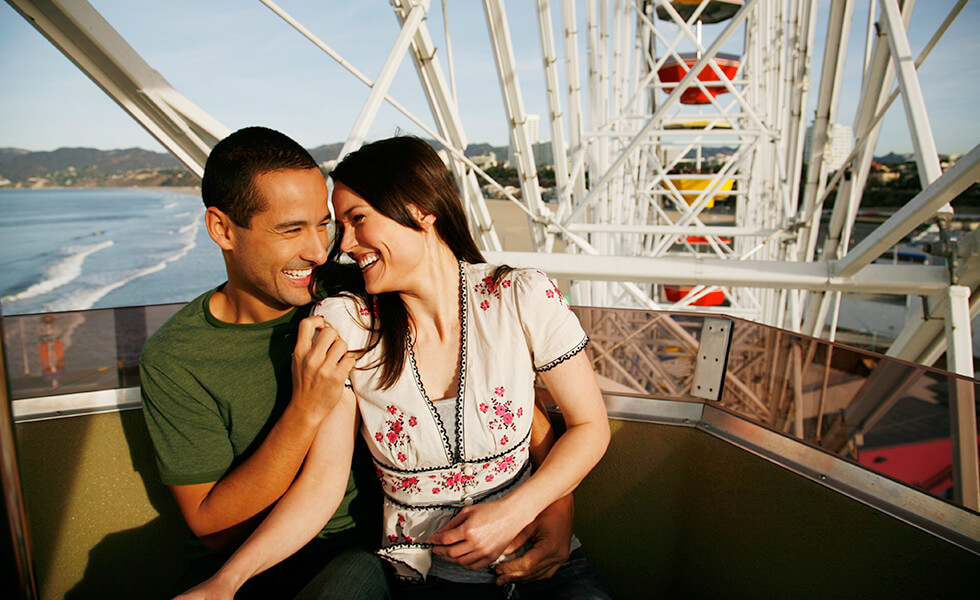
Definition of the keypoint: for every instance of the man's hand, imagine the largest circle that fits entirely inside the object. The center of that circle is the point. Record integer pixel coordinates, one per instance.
(221, 513)
(478, 535)
(320, 367)
(551, 534)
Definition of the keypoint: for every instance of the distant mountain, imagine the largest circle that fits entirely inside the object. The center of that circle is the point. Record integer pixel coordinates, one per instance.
(328, 152)
(891, 158)
(88, 167)
(322, 154)
(21, 165)
(5, 152)
(479, 149)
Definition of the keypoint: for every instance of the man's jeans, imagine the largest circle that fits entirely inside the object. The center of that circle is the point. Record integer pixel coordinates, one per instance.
(321, 570)
(575, 580)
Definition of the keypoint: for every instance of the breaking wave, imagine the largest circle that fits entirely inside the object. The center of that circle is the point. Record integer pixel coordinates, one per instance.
(86, 299)
(60, 273)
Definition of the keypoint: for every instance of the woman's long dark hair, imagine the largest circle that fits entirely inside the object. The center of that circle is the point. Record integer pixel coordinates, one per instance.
(390, 174)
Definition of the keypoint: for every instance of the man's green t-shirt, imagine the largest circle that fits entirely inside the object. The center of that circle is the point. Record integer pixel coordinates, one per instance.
(212, 391)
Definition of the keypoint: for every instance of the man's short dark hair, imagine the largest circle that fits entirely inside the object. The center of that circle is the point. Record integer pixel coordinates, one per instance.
(229, 174)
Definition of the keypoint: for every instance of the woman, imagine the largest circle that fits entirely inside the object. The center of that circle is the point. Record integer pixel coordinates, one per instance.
(445, 390)
(449, 348)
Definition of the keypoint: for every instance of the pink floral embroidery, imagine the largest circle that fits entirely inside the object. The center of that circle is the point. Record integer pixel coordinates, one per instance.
(364, 311)
(396, 483)
(395, 435)
(501, 409)
(488, 287)
(401, 536)
(555, 292)
(506, 464)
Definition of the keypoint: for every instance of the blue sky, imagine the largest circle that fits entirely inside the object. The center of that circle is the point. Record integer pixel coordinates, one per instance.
(244, 65)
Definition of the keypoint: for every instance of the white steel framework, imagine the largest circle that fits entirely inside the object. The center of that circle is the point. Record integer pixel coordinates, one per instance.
(679, 167)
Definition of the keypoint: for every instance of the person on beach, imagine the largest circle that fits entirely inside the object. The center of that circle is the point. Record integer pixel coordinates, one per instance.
(237, 384)
(442, 392)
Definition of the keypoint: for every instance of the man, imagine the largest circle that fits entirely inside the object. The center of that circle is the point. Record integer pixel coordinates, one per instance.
(236, 383)
(231, 413)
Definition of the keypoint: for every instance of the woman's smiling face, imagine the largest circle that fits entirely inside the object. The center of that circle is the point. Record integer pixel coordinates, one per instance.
(387, 252)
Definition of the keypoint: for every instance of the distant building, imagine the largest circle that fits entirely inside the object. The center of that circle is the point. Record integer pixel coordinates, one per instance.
(840, 144)
(485, 161)
(534, 128)
(543, 153)
(882, 174)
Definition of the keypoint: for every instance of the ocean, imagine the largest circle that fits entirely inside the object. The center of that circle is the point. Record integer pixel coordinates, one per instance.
(76, 249)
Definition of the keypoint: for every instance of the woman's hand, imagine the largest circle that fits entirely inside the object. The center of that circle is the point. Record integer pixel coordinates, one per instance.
(478, 535)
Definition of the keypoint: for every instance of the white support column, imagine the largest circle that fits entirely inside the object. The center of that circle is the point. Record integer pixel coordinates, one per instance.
(926, 155)
(550, 57)
(576, 140)
(962, 406)
(962, 175)
(380, 88)
(503, 52)
(83, 36)
(831, 75)
(445, 111)
(959, 346)
(876, 80)
(771, 274)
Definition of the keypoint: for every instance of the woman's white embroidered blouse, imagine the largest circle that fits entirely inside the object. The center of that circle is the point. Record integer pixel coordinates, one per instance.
(510, 329)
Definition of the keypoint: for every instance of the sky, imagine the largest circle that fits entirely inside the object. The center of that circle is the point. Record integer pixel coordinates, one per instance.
(245, 66)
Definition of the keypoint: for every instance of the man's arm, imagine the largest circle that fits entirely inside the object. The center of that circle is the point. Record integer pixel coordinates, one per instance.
(550, 532)
(302, 511)
(223, 512)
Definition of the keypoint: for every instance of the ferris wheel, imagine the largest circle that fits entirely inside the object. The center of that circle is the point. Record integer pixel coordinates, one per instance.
(687, 174)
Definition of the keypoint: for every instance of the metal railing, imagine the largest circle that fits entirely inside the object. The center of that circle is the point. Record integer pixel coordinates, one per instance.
(888, 415)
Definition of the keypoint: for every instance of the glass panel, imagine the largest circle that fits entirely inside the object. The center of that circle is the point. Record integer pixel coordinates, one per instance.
(886, 414)
(72, 352)
(889, 415)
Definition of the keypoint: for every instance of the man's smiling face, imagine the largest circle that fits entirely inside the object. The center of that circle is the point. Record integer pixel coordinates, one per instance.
(272, 260)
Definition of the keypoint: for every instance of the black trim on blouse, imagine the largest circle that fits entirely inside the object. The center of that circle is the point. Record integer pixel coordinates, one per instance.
(578, 348)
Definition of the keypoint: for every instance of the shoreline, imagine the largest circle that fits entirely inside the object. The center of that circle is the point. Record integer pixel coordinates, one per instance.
(184, 189)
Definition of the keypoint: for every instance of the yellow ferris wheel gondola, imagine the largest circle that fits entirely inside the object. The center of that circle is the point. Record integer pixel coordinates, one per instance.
(696, 183)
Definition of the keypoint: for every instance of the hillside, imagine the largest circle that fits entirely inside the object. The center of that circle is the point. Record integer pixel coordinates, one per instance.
(88, 167)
